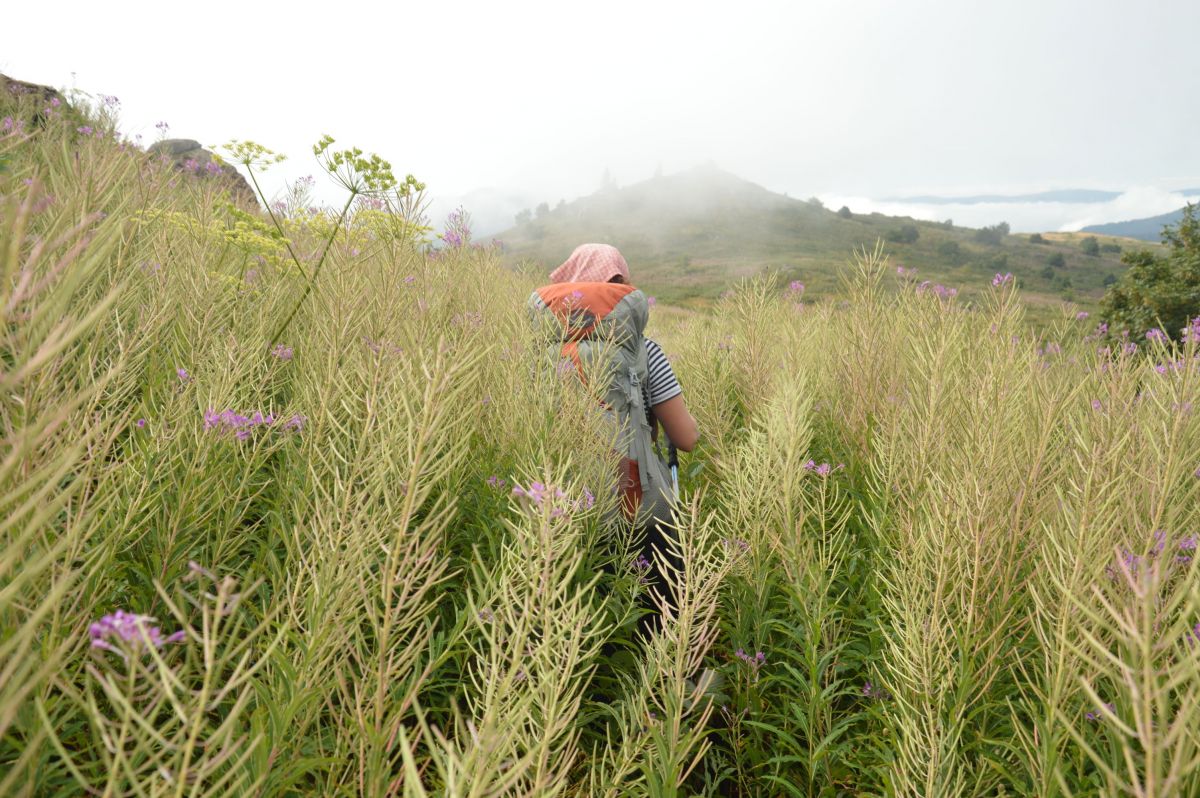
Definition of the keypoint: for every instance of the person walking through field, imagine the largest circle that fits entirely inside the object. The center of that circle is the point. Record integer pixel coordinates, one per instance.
(592, 296)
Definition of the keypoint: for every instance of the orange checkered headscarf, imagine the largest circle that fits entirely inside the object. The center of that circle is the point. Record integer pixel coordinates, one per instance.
(591, 263)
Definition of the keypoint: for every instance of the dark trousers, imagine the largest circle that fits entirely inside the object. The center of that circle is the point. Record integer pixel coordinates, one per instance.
(655, 547)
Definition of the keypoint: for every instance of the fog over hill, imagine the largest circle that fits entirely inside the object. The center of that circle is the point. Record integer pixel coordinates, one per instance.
(495, 209)
(688, 236)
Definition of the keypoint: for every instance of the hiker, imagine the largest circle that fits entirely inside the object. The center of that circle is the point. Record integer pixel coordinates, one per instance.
(592, 295)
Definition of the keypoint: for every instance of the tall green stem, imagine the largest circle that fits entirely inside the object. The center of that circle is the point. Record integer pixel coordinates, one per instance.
(308, 287)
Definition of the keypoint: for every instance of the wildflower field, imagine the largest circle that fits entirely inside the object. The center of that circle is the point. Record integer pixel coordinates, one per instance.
(294, 502)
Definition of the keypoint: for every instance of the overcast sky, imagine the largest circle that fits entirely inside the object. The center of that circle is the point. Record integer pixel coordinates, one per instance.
(845, 98)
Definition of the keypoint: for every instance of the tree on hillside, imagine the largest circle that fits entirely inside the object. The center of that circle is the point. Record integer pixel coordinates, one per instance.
(845, 213)
(904, 234)
(992, 235)
(1057, 260)
(951, 251)
(542, 210)
(1160, 291)
(1090, 246)
(1037, 238)
(523, 217)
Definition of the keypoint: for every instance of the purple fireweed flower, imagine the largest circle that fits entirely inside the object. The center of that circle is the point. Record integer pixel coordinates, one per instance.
(1098, 714)
(1160, 542)
(55, 102)
(1155, 334)
(296, 423)
(641, 564)
(1192, 636)
(588, 500)
(496, 482)
(651, 301)
(213, 168)
(755, 661)
(1001, 279)
(84, 129)
(409, 279)
(282, 352)
(736, 543)
(1081, 315)
(183, 375)
(128, 630)
(875, 692)
(140, 423)
(163, 127)
(796, 287)
(1096, 405)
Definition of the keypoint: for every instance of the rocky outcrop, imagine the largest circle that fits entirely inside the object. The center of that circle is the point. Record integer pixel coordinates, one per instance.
(39, 102)
(20, 88)
(188, 156)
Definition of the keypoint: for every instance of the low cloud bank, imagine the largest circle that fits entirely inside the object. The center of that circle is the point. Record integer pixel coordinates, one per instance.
(1027, 217)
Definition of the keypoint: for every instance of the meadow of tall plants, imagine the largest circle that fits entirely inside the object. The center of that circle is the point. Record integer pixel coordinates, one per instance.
(293, 501)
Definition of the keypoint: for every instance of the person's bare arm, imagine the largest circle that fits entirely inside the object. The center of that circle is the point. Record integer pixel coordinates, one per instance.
(677, 422)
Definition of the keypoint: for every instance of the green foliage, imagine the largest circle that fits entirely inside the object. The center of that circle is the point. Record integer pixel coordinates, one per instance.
(1037, 238)
(845, 213)
(904, 234)
(951, 251)
(993, 235)
(1159, 291)
(1090, 246)
(1056, 260)
(937, 531)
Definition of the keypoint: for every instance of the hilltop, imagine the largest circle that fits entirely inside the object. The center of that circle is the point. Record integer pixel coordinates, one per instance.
(690, 235)
(1147, 229)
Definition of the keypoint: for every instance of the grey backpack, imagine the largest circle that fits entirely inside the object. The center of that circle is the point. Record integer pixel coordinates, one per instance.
(600, 326)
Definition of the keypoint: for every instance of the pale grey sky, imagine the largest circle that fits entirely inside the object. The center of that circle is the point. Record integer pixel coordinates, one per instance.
(849, 99)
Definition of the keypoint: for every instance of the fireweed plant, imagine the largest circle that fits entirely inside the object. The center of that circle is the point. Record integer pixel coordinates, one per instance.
(293, 502)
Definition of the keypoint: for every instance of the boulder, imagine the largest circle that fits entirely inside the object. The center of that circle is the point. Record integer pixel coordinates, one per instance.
(38, 101)
(20, 88)
(188, 156)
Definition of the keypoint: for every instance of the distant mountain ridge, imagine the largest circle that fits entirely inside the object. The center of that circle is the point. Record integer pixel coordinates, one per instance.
(1147, 229)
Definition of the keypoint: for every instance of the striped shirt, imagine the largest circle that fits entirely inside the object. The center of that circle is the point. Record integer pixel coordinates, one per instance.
(662, 384)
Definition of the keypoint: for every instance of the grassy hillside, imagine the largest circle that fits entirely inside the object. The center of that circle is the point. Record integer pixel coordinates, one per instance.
(689, 236)
(309, 510)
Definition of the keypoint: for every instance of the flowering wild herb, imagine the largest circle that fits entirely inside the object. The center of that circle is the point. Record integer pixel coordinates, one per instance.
(378, 615)
(125, 631)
